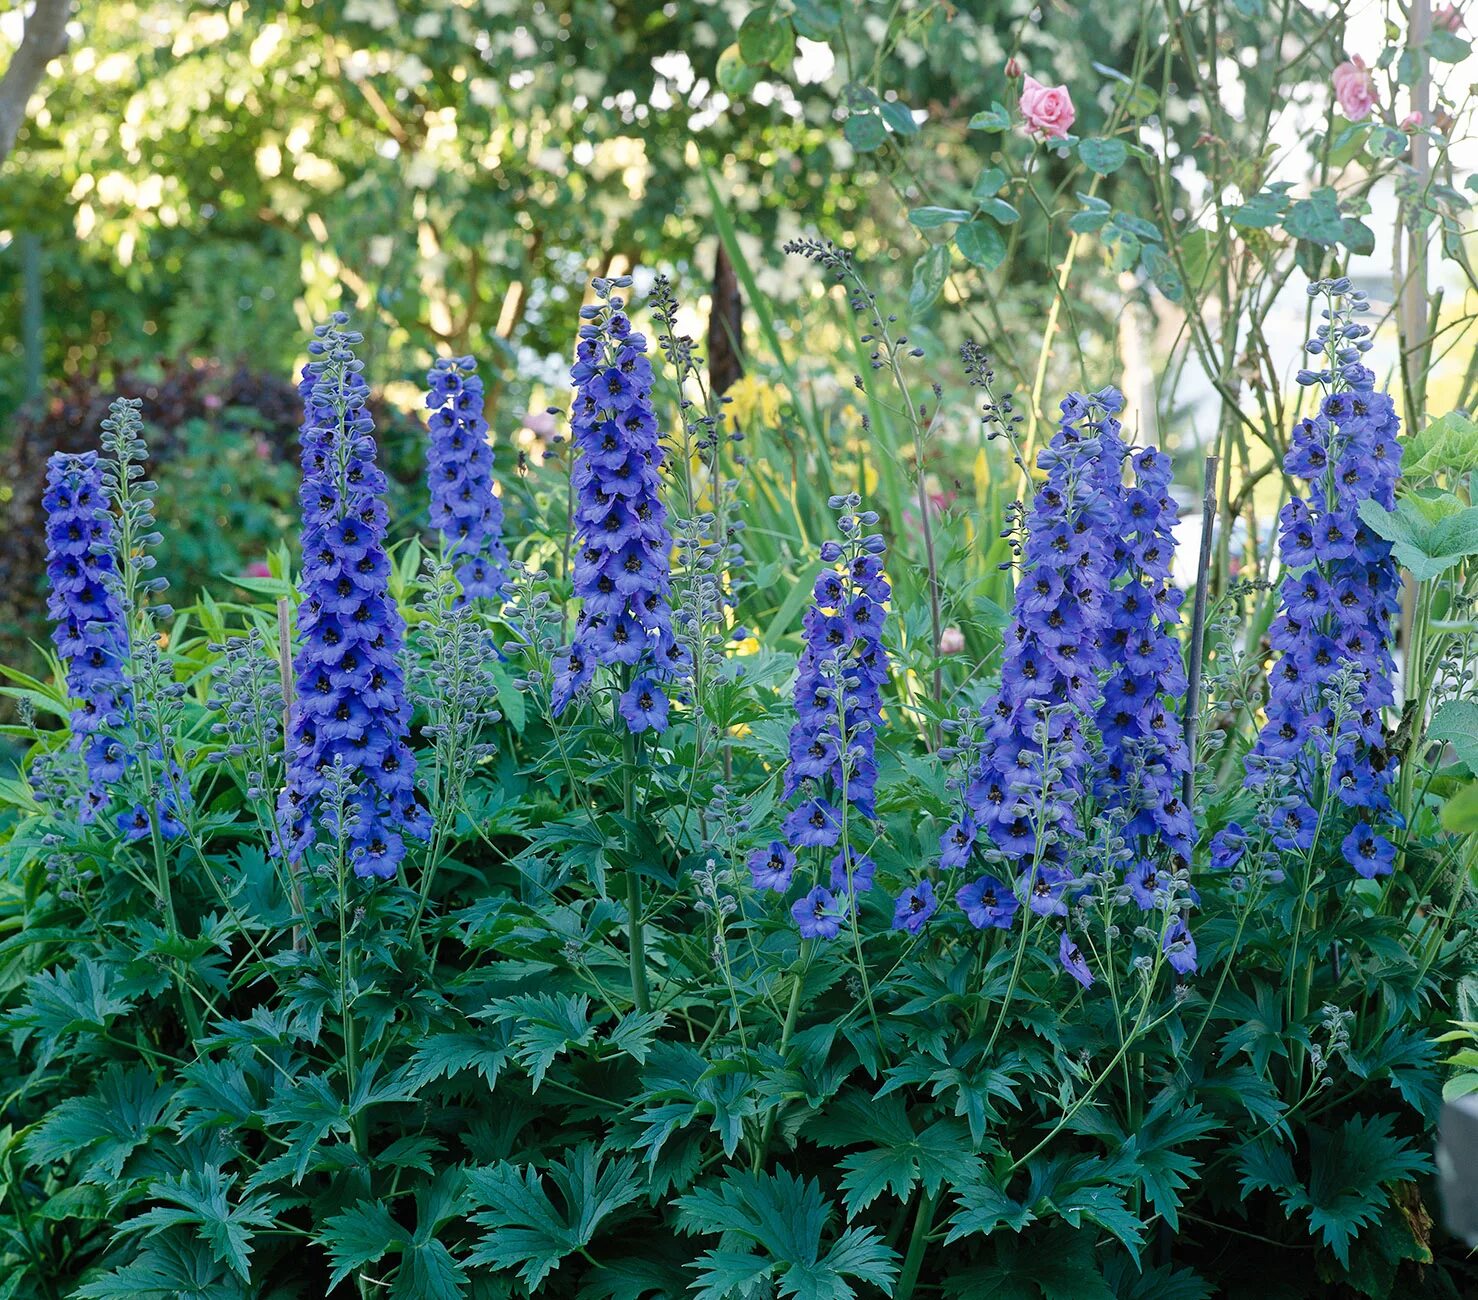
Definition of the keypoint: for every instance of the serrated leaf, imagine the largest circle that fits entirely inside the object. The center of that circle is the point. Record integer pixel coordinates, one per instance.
(1427, 549)
(201, 1202)
(359, 1236)
(786, 1218)
(106, 1126)
(526, 1230)
(1449, 445)
(1456, 722)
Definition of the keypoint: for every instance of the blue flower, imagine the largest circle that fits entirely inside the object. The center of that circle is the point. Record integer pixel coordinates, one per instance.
(1073, 961)
(840, 675)
(1180, 947)
(988, 902)
(819, 914)
(644, 706)
(350, 706)
(88, 630)
(1369, 853)
(459, 470)
(772, 867)
(914, 906)
(1228, 846)
(1144, 760)
(622, 564)
(1338, 598)
(855, 877)
(1054, 652)
(813, 824)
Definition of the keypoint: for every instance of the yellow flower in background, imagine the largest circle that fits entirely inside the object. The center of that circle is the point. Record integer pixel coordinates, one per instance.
(755, 402)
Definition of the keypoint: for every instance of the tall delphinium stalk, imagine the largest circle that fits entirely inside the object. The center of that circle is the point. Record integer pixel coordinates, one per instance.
(349, 702)
(459, 469)
(621, 571)
(1144, 760)
(454, 680)
(832, 774)
(1324, 737)
(158, 789)
(1032, 757)
(891, 351)
(89, 634)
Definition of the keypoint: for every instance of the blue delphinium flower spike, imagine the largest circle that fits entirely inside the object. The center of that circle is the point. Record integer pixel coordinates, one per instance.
(622, 566)
(1337, 603)
(88, 621)
(1033, 758)
(459, 470)
(843, 665)
(1144, 758)
(350, 704)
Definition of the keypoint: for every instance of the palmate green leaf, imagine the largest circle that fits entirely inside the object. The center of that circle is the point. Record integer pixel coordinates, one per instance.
(686, 1087)
(361, 1235)
(215, 1094)
(545, 1025)
(785, 1217)
(984, 1208)
(657, 1272)
(898, 1157)
(1057, 1264)
(1426, 547)
(1163, 1283)
(429, 1271)
(443, 1055)
(201, 1201)
(105, 1126)
(1456, 722)
(1349, 1170)
(172, 1268)
(64, 1002)
(526, 1230)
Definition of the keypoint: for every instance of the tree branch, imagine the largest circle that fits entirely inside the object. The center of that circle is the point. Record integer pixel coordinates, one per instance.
(44, 39)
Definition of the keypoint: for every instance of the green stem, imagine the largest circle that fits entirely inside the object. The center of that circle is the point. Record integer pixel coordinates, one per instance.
(639, 992)
(917, 1242)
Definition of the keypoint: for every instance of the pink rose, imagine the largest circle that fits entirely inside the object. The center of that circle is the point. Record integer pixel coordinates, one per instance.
(1047, 110)
(1448, 18)
(258, 569)
(1354, 87)
(1411, 122)
(951, 641)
